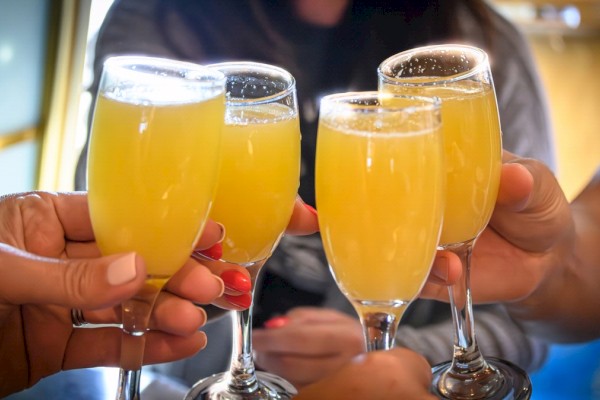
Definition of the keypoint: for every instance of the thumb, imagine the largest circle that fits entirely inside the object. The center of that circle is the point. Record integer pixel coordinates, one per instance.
(541, 218)
(76, 283)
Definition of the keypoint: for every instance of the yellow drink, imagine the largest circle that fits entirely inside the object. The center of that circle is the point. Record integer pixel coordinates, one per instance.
(473, 147)
(260, 172)
(151, 177)
(380, 199)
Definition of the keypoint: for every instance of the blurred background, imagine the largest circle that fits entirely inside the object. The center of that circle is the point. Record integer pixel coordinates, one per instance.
(565, 38)
(44, 70)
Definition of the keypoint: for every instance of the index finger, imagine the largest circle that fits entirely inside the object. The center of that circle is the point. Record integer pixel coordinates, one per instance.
(304, 219)
(73, 212)
(42, 222)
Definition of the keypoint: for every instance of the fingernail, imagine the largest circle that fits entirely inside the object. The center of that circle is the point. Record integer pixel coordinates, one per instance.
(121, 270)
(204, 339)
(223, 231)
(243, 300)
(236, 280)
(359, 358)
(214, 252)
(204, 316)
(277, 322)
(221, 285)
(310, 208)
(440, 270)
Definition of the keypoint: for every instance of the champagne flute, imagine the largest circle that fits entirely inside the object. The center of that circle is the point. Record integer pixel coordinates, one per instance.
(149, 191)
(380, 192)
(460, 75)
(257, 188)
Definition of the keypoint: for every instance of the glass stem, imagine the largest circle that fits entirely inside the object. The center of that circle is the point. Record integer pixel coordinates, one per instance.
(136, 316)
(242, 371)
(467, 357)
(380, 324)
(469, 376)
(129, 385)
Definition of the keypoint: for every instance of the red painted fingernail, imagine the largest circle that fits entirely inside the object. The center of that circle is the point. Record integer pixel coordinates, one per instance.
(277, 322)
(243, 300)
(310, 208)
(440, 268)
(236, 280)
(215, 251)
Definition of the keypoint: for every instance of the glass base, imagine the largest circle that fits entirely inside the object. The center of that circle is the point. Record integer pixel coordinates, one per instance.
(216, 387)
(513, 383)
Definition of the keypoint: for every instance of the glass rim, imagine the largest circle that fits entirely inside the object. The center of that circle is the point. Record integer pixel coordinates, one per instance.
(343, 100)
(241, 66)
(198, 73)
(482, 59)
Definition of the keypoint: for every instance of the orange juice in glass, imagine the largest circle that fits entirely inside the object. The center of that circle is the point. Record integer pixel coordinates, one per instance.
(148, 189)
(258, 181)
(375, 202)
(473, 147)
(380, 192)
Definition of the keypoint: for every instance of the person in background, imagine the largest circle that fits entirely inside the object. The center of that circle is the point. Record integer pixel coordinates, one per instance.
(333, 46)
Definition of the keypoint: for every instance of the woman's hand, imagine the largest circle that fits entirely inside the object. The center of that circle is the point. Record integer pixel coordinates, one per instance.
(49, 264)
(307, 343)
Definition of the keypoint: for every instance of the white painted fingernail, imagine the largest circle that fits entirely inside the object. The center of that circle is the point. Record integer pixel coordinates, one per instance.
(122, 270)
